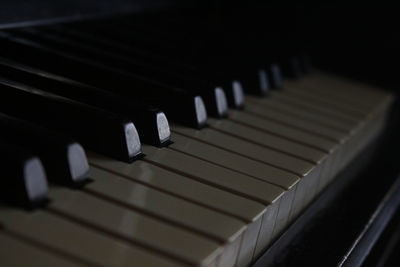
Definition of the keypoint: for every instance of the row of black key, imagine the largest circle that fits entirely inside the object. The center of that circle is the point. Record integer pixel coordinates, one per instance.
(98, 97)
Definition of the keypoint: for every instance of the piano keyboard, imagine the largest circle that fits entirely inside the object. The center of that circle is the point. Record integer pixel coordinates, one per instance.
(204, 192)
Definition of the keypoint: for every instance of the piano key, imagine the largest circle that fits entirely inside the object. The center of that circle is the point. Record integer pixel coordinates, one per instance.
(24, 180)
(219, 175)
(187, 215)
(250, 151)
(320, 159)
(230, 160)
(315, 107)
(64, 160)
(152, 124)
(292, 134)
(235, 94)
(255, 80)
(355, 140)
(340, 107)
(15, 252)
(370, 95)
(304, 125)
(269, 107)
(263, 106)
(343, 87)
(97, 129)
(233, 90)
(341, 101)
(314, 141)
(283, 131)
(131, 226)
(180, 106)
(196, 192)
(235, 145)
(223, 178)
(276, 76)
(82, 243)
(291, 67)
(311, 99)
(331, 127)
(267, 140)
(179, 185)
(213, 97)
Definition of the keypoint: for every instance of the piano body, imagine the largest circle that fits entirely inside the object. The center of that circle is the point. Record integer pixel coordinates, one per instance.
(177, 137)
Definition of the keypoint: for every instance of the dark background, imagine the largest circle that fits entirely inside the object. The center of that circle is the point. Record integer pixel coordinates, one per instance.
(350, 38)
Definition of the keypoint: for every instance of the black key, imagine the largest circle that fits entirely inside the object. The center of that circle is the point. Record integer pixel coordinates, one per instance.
(99, 130)
(234, 93)
(64, 160)
(291, 67)
(180, 106)
(232, 88)
(215, 64)
(150, 122)
(305, 64)
(23, 180)
(276, 77)
(213, 97)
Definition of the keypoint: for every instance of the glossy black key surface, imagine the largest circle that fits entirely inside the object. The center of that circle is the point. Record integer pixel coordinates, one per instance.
(98, 130)
(180, 106)
(23, 178)
(213, 96)
(291, 67)
(151, 123)
(64, 160)
(170, 70)
(276, 76)
(219, 63)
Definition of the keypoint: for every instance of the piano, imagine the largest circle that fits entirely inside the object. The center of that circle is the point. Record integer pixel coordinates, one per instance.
(162, 134)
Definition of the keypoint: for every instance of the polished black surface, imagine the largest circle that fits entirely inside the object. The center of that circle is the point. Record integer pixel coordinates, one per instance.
(64, 160)
(151, 123)
(179, 105)
(96, 129)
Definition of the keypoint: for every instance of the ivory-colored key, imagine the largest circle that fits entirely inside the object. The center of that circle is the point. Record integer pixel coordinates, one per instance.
(341, 137)
(263, 105)
(338, 100)
(302, 168)
(342, 86)
(301, 124)
(323, 107)
(226, 179)
(276, 159)
(135, 227)
(16, 253)
(79, 242)
(233, 161)
(367, 112)
(200, 149)
(215, 225)
(181, 186)
(283, 131)
(293, 135)
(313, 98)
(349, 144)
(222, 201)
(335, 160)
(315, 108)
(268, 140)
